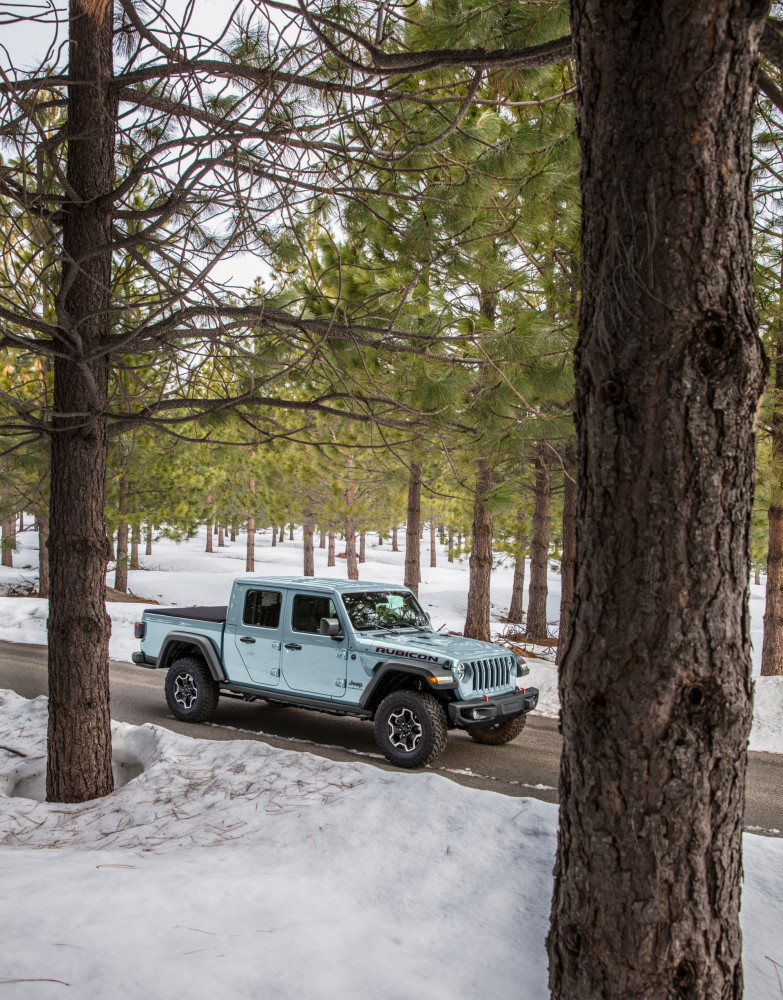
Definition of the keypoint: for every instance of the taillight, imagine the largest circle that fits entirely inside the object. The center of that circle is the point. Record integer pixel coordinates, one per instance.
(139, 630)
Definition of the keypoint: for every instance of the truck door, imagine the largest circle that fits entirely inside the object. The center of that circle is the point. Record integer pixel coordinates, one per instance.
(258, 636)
(313, 663)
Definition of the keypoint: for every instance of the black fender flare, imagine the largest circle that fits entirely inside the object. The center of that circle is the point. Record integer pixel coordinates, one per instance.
(384, 675)
(177, 644)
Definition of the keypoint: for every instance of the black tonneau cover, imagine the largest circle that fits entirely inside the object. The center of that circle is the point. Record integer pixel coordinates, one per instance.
(199, 614)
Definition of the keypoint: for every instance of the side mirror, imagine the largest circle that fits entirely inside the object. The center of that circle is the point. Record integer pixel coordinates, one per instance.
(330, 626)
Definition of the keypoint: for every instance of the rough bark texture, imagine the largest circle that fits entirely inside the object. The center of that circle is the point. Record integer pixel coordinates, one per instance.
(772, 646)
(309, 553)
(412, 530)
(121, 569)
(477, 618)
(536, 630)
(9, 540)
(655, 681)
(568, 560)
(350, 548)
(330, 556)
(515, 610)
(79, 743)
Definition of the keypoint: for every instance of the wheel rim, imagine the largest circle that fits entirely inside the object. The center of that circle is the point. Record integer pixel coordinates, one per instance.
(404, 730)
(185, 691)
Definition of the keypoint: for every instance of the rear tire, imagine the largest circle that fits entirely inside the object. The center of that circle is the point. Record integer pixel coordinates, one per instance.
(191, 693)
(498, 733)
(410, 728)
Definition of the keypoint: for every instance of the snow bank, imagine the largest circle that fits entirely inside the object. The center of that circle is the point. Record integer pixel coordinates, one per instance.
(235, 869)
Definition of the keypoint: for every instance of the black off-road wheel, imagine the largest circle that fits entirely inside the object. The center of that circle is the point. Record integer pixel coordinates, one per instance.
(410, 728)
(498, 733)
(191, 693)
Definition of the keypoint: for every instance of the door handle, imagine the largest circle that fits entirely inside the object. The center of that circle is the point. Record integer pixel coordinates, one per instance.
(292, 645)
(246, 638)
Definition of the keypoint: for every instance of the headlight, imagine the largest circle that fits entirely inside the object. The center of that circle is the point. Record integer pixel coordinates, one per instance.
(459, 671)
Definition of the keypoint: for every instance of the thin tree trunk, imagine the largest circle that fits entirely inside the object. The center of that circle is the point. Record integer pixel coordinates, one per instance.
(148, 546)
(250, 545)
(309, 554)
(209, 547)
(121, 567)
(233, 531)
(477, 618)
(330, 557)
(459, 545)
(42, 520)
(757, 577)
(433, 550)
(21, 520)
(655, 683)
(536, 630)
(413, 530)
(221, 536)
(134, 551)
(350, 548)
(322, 540)
(290, 532)
(274, 534)
(281, 536)
(79, 737)
(9, 540)
(362, 547)
(515, 611)
(568, 561)
(451, 546)
(380, 539)
(395, 546)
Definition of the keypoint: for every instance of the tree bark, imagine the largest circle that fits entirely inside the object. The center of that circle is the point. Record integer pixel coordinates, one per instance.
(134, 549)
(8, 540)
(655, 682)
(772, 644)
(477, 618)
(210, 525)
(330, 557)
(451, 546)
(121, 568)
(221, 536)
(433, 549)
(412, 530)
(42, 519)
(309, 554)
(290, 532)
(350, 548)
(515, 610)
(322, 540)
(250, 542)
(148, 546)
(395, 546)
(363, 546)
(79, 738)
(568, 560)
(274, 534)
(281, 536)
(535, 628)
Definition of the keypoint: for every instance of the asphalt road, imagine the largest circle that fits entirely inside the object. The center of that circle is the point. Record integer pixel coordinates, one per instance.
(527, 766)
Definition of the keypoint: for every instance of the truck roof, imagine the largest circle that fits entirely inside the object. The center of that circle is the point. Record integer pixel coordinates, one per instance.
(320, 583)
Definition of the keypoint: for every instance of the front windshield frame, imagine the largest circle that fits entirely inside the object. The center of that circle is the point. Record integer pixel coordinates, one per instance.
(362, 609)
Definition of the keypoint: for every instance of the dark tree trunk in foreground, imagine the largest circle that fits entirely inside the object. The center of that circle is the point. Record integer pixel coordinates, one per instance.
(412, 530)
(350, 548)
(515, 610)
(535, 628)
(655, 682)
(772, 646)
(309, 553)
(121, 569)
(477, 618)
(79, 744)
(330, 557)
(568, 560)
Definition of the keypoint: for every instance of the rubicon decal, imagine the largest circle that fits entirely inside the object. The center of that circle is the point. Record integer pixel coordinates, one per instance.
(403, 652)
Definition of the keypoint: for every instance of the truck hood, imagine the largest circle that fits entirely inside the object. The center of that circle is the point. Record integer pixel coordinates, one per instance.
(428, 646)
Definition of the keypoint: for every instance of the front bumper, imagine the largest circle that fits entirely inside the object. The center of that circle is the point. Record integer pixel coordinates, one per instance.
(502, 707)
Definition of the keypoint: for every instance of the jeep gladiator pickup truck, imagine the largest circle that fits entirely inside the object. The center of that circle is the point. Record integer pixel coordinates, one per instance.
(348, 648)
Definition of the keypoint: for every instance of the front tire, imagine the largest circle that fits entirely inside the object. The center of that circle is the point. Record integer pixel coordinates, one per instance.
(191, 693)
(498, 733)
(410, 728)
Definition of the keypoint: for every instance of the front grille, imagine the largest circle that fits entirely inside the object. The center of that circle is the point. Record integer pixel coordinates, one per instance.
(490, 675)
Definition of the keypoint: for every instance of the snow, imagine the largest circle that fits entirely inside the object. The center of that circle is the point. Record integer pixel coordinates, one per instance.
(236, 869)
(183, 573)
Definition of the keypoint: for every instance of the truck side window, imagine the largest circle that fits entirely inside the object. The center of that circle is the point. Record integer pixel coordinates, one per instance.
(309, 610)
(262, 607)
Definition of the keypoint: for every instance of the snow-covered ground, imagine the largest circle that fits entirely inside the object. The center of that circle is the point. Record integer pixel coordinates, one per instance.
(233, 869)
(183, 573)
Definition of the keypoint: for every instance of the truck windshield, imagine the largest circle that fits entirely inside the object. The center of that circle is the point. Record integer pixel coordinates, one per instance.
(381, 609)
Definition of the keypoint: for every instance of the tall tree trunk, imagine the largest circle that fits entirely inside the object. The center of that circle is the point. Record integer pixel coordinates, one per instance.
(290, 532)
(79, 738)
(330, 557)
(121, 567)
(134, 549)
(395, 545)
(210, 526)
(568, 561)
(433, 550)
(322, 539)
(655, 682)
(535, 629)
(309, 554)
(459, 545)
(42, 520)
(413, 529)
(477, 618)
(8, 540)
(772, 645)
(757, 577)
(274, 534)
(148, 546)
(21, 520)
(350, 548)
(233, 531)
(362, 546)
(515, 611)
(281, 536)
(451, 546)
(250, 545)
(221, 536)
